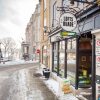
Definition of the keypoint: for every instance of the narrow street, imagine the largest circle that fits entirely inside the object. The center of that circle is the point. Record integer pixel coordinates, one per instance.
(20, 82)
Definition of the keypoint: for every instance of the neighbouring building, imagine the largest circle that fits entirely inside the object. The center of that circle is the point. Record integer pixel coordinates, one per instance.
(44, 30)
(33, 33)
(29, 36)
(25, 50)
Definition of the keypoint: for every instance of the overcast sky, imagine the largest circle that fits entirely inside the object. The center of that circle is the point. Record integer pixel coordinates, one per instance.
(14, 16)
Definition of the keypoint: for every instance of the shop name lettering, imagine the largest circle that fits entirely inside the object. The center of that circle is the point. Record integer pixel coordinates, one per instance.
(68, 21)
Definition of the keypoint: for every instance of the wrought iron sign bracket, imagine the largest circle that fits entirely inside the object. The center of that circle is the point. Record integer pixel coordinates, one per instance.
(85, 1)
(66, 9)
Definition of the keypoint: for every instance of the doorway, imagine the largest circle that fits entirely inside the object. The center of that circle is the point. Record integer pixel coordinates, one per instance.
(85, 60)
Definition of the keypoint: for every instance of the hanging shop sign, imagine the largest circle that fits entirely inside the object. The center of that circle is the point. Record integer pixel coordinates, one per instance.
(68, 21)
(66, 33)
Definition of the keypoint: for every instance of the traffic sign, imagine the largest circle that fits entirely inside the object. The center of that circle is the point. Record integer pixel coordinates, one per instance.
(37, 51)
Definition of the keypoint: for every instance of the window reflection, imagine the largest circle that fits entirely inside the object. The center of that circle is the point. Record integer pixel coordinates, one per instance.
(71, 60)
(61, 58)
(55, 57)
(71, 44)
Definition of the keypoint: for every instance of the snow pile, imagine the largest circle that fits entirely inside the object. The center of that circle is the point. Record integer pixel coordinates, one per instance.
(53, 85)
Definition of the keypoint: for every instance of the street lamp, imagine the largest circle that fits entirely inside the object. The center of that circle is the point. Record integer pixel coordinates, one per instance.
(46, 29)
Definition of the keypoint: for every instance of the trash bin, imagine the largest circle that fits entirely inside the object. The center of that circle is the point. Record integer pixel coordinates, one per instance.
(47, 73)
(43, 71)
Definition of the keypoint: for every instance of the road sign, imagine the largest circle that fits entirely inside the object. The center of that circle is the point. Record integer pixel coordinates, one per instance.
(37, 51)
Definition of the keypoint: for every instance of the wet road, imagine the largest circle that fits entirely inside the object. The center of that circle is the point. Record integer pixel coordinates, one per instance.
(20, 82)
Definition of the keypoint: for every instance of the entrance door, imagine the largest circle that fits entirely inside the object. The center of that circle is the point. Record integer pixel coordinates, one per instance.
(85, 61)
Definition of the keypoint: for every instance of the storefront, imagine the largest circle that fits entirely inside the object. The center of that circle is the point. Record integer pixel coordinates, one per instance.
(73, 57)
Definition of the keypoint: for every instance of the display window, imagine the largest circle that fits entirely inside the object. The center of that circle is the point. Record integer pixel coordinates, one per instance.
(55, 57)
(71, 60)
(61, 58)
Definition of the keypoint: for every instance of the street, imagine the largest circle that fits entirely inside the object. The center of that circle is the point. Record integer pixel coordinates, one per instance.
(20, 82)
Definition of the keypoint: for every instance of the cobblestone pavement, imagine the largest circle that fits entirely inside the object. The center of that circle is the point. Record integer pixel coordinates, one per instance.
(23, 84)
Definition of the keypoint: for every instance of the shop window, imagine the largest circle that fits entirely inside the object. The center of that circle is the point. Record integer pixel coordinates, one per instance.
(54, 14)
(71, 45)
(97, 21)
(44, 4)
(55, 57)
(61, 58)
(71, 60)
(89, 24)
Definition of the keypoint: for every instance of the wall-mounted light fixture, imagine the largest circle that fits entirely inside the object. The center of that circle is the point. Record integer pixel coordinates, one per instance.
(46, 30)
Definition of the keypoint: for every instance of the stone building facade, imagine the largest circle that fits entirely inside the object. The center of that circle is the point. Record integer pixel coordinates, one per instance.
(44, 30)
(33, 33)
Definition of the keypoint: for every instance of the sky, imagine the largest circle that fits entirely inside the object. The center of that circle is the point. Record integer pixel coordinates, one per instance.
(14, 16)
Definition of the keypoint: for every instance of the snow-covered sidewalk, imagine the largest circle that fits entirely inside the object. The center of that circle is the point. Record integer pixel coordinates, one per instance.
(16, 62)
(54, 86)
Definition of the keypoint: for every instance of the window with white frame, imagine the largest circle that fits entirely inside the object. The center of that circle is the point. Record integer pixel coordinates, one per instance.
(54, 14)
(44, 4)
